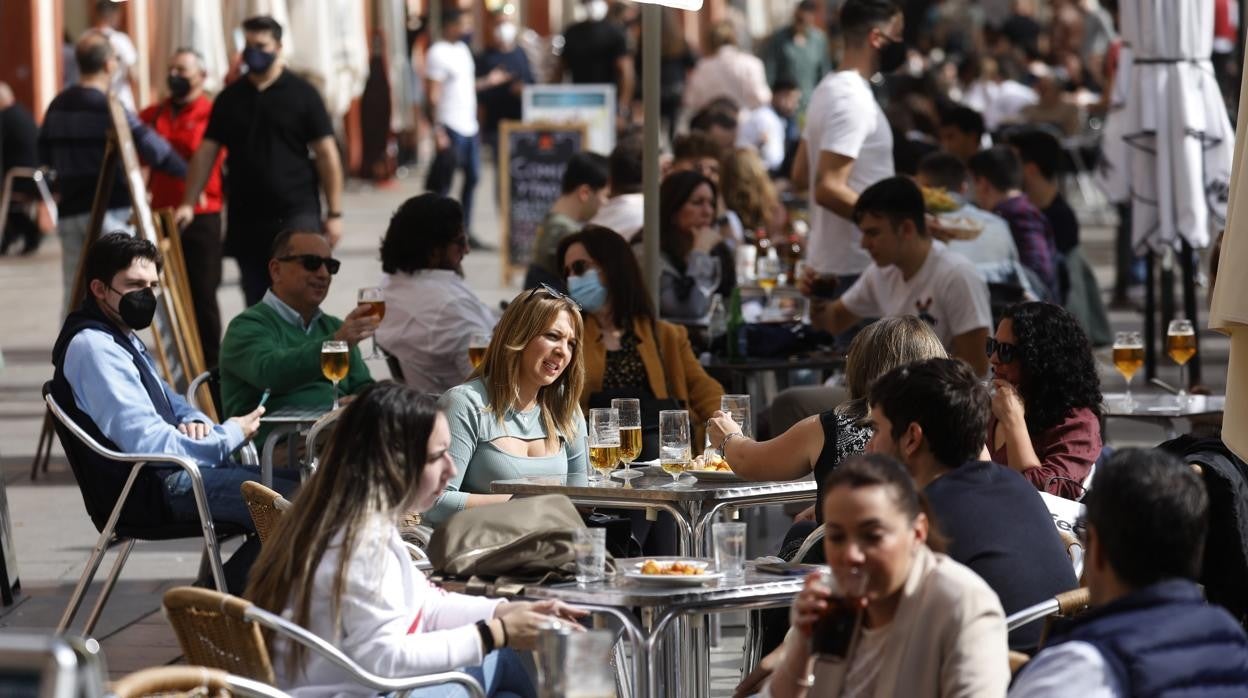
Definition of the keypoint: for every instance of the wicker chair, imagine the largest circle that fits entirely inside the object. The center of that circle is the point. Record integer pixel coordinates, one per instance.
(224, 632)
(1064, 605)
(167, 681)
(266, 507)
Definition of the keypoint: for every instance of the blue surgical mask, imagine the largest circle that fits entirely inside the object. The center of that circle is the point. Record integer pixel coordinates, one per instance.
(588, 291)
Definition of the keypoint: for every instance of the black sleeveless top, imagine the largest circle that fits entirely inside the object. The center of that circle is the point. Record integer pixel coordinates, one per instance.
(842, 437)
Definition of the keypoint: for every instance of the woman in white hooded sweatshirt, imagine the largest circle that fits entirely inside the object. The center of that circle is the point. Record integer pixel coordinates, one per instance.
(337, 566)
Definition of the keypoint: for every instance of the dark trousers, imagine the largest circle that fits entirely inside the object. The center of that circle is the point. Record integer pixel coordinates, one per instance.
(201, 246)
(467, 157)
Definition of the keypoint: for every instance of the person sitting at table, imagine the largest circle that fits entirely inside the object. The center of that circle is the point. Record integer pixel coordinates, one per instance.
(910, 274)
(1046, 402)
(518, 414)
(931, 416)
(690, 270)
(930, 627)
(347, 576)
(106, 381)
(276, 344)
(583, 190)
(431, 313)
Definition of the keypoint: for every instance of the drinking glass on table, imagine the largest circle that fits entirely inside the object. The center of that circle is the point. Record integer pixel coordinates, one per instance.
(836, 632)
(1181, 346)
(477, 345)
(590, 546)
(729, 539)
(335, 362)
(738, 407)
(604, 442)
(708, 284)
(629, 409)
(1128, 359)
(675, 451)
(768, 272)
(376, 302)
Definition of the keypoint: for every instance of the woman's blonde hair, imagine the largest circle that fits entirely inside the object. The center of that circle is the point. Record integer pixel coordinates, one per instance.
(748, 190)
(886, 344)
(530, 314)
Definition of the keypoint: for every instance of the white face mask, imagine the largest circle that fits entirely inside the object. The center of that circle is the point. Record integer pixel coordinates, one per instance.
(505, 34)
(597, 10)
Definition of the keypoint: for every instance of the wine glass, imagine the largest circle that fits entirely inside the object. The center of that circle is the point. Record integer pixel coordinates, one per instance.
(604, 442)
(375, 299)
(630, 434)
(738, 407)
(1181, 346)
(335, 362)
(476, 348)
(675, 451)
(708, 285)
(1128, 358)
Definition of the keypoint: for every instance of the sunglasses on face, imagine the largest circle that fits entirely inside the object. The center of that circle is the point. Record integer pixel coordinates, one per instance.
(313, 262)
(553, 293)
(1003, 350)
(577, 268)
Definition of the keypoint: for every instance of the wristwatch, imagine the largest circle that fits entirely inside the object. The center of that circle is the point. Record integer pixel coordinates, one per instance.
(487, 637)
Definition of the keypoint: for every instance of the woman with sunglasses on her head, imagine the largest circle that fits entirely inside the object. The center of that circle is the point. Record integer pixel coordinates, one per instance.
(518, 414)
(1046, 402)
(337, 566)
(931, 627)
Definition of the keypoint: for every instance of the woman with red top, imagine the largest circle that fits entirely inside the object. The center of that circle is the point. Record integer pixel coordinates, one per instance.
(1046, 403)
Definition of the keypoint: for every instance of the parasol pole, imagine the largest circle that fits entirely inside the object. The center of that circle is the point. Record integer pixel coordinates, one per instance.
(652, 28)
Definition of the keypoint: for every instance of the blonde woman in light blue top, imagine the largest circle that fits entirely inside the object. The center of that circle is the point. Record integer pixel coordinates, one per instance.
(519, 413)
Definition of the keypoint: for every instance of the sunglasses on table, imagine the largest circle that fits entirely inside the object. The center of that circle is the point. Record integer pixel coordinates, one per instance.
(1003, 350)
(313, 262)
(553, 293)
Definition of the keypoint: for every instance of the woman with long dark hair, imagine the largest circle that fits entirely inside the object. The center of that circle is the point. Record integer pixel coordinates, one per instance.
(1046, 403)
(337, 566)
(688, 240)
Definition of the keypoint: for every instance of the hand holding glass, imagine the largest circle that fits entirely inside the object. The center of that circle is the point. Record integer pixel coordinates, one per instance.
(335, 362)
(375, 299)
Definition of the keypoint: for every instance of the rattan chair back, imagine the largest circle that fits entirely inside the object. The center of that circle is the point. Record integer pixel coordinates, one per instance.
(266, 507)
(214, 632)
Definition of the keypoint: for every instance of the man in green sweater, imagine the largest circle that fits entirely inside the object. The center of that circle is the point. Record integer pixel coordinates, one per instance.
(276, 343)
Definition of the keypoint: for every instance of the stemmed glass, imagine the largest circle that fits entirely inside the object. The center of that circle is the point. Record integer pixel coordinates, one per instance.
(630, 434)
(675, 451)
(738, 407)
(335, 362)
(768, 274)
(375, 299)
(1181, 346)
(708, 285)
(1128, 358)
(604, 442)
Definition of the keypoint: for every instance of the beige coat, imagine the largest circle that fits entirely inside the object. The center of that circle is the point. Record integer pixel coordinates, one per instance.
(948, 639)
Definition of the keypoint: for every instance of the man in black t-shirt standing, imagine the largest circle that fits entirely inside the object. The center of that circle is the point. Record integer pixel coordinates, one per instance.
(595, 51)
(268, 122)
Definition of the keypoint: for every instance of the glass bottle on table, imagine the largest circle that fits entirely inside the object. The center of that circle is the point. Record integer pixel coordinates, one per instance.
(675, 449)
(1181, 346)
(375, 300)
(604, 442)
(335, 362)
(1128, 359)
(629, 409)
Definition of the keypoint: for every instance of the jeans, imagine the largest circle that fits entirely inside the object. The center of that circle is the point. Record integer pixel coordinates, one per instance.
(73, 233)
(467, 158)
(222, 486)
(502, 674)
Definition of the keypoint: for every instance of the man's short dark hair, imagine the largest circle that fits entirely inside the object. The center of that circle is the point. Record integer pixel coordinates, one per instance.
(859, 17)
(451, 15)
(944, 170)
(1039, 148)
(421, 226)
(281, 243)
(999, 165)
(895, 198)
(1150, 513)
(263, 23)
(806, 6)
(92, 53)
(625, 165)
(695, 145)
(945, 398)
(964, 119)
(115, 252)
(585, 168)
(721, 112)
(784, 84)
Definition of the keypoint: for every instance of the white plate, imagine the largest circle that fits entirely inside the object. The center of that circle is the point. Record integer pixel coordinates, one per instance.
(673, 579)
(716, 475)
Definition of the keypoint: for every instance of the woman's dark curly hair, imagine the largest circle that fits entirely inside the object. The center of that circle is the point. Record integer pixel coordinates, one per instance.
(1056, 364)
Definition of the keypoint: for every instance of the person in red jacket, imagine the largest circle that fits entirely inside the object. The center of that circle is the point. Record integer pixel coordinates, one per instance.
(182, 119)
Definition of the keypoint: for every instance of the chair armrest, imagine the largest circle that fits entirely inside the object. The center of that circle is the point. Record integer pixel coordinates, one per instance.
(815, 537)
(320, 646)
(139, 459)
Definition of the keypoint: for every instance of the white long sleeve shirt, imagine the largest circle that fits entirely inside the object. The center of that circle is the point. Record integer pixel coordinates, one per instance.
(394, 622)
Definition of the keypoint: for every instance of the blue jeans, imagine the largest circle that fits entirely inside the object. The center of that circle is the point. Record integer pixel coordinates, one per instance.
(502, 674)
(467, 158)
(222, 486)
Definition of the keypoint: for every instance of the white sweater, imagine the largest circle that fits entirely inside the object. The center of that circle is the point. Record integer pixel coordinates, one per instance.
(395, 623)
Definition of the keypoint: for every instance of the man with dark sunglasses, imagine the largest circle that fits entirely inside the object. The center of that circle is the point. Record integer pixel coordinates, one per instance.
(276, 344)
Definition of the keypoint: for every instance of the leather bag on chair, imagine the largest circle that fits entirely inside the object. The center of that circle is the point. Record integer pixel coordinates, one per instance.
(526, 540)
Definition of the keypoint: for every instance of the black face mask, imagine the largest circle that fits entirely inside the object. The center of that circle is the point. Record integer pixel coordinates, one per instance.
(258, 60)
(892, 56)
(179, 86)
(137, 308)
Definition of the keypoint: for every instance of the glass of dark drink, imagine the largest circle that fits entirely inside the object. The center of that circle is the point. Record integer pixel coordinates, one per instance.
(824, 286)
(836, 633)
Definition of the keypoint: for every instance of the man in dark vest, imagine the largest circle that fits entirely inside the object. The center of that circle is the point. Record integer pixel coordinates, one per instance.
(1150, 631)
(106, 381)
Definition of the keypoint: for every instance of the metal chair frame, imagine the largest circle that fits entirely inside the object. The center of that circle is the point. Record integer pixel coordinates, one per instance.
(40, 178)
(107, 536)
(247, 454)
(165, 679)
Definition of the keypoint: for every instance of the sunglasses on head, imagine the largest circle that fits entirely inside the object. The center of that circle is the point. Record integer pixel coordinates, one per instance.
(312, 262)
(577, 268)
(1003, 350)
(553, 293)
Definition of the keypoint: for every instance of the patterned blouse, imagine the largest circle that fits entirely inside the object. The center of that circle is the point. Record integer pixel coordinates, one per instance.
(624, 368)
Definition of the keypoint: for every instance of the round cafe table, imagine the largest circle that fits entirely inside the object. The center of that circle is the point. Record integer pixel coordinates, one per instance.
(1163, 409)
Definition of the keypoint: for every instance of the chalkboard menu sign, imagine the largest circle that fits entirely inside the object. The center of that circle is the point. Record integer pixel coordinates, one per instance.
(531, 165)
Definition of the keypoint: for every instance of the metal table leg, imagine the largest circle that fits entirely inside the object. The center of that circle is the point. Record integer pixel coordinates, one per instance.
(270, 444)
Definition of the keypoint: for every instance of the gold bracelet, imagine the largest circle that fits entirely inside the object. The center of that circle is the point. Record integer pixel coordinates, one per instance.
(728, 437)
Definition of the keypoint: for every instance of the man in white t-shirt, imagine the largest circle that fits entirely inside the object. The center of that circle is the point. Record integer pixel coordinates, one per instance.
(847, 145)
(107, 19)
(911, 274)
